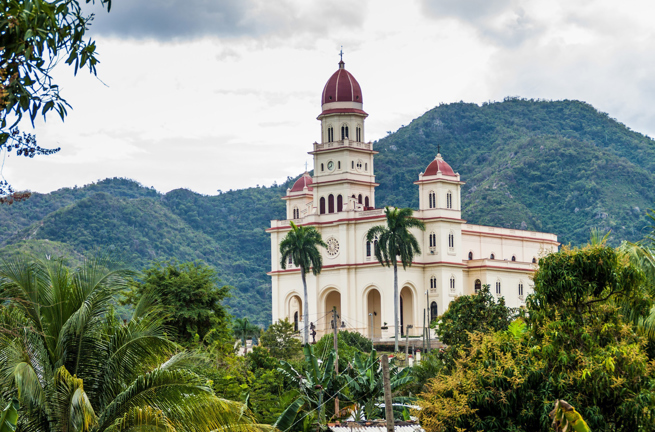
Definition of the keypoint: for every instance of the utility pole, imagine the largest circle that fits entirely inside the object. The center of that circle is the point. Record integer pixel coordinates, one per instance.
(409, 326)
(424, 311)
(336, 359)
(427, 295)
(372, 328)
(388, 407)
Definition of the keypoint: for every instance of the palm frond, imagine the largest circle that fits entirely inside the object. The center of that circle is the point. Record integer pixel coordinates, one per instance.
(142, 419)
(71, 407)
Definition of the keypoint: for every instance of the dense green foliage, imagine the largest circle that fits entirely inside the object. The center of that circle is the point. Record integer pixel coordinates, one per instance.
(190, 295)
(281, 340)
(577, 347)
(471, 313)
(560, 167)
(75, 366)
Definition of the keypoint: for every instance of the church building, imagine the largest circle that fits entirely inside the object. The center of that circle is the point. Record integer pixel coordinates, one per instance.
(456, 258)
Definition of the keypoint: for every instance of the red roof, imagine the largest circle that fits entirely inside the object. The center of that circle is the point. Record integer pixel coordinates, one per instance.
(305, 180)
(342, 87)
(438, 164)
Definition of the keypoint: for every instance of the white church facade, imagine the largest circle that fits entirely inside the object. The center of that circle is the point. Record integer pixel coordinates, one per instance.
(339, 200)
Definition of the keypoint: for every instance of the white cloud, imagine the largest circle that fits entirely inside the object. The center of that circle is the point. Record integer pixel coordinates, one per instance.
(234, 106)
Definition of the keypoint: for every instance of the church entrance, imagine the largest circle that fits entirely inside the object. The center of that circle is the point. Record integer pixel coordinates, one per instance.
(332, 300)
(406, 310)
(373, 313)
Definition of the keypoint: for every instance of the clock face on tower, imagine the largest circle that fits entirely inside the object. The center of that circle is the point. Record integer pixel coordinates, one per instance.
(330, 165)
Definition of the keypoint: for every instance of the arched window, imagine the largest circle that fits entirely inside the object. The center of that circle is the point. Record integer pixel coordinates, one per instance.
(330, 203)
(452, 283)
(451, 240)
(358, 134)
(492, 256)
(295, 321)
(521, 288)
(434, 312)
(432, 199)
(322, 167)
(330, 133)
(449, 200)
(368, 249)
(290, 260)
(359, 199)
(433, 240)
(478, 285)
(470, 255)
(296, 213)
(344, 131)
(513, 257)
(534, 260)
(433, 282)
(498, 287)
(366, 202)
(340, 203)
(321, 206)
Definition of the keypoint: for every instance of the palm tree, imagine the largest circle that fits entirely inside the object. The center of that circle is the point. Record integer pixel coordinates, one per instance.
(74, 366)
(395, 241)
(244, 330)
(301, 245)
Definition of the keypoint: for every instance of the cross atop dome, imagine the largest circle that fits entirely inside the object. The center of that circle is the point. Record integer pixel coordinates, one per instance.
(341, 63)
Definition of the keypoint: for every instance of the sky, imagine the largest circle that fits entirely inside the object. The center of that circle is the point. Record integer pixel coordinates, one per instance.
(215, 95)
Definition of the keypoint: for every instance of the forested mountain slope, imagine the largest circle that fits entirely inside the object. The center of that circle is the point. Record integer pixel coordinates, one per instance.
(561, 167)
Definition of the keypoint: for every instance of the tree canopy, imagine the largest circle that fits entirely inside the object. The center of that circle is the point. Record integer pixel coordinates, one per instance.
(191, 296)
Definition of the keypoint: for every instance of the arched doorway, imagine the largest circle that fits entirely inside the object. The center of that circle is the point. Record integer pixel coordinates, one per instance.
(373, 313)
(478, 285)
(295, 312)
(434, 312)
(406, 309)
(332, 300)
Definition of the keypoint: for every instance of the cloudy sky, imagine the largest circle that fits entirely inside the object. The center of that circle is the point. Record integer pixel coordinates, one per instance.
(224, 94)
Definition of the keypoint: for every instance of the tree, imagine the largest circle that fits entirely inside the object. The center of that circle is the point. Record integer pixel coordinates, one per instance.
(190, 293)
(395, 240)
(469, 313)
(301, 246)
(576, 346)
(35, 36)
(280, 339)
(244, 330)
(74, 366)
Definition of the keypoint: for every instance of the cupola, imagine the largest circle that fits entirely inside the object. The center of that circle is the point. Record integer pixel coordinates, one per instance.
(302, 182)
(439, 166)
(342, 94)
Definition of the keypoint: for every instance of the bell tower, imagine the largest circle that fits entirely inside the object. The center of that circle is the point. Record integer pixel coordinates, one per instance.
(343, 161)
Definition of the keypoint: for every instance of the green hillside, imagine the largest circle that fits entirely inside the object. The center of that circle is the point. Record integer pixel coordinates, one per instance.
(560, 167)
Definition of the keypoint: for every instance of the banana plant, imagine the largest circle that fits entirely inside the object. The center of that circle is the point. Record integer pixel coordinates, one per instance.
(318, 384)
(365, 385)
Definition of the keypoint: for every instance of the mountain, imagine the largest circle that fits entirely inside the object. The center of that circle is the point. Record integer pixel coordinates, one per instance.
(555, 166)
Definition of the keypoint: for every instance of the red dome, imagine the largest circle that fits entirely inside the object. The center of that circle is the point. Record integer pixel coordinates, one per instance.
(342, 87)
(305, 180)
(438, 164)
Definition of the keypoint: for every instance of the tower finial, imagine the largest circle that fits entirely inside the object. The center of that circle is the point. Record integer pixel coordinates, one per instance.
(438, 148)
(305, 166)
(341, 63)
